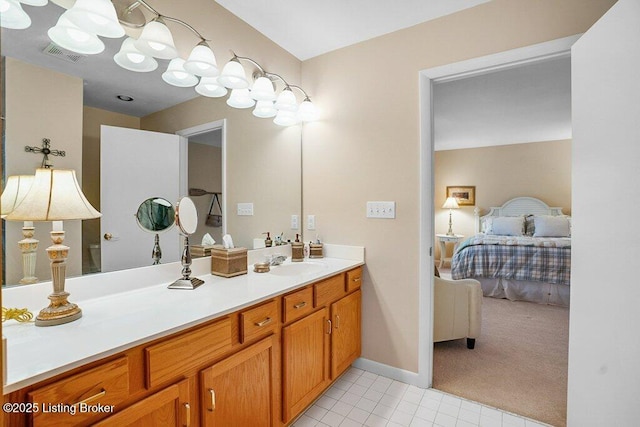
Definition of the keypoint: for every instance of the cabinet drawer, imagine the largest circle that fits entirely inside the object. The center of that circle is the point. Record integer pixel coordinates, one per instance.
(172, 358)
(258, 321)
(297, 304)
(354, 279)
(107, 384)
(328, 290)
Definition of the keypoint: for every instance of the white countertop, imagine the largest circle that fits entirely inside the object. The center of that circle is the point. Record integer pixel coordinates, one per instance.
(124, 310)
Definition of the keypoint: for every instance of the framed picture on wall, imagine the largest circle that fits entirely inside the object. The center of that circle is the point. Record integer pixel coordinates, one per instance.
(465, 194)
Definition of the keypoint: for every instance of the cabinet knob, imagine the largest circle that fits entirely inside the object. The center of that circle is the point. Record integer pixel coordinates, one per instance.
(108, 236)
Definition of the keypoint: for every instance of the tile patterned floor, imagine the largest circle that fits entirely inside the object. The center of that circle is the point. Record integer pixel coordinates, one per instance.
(361, 398)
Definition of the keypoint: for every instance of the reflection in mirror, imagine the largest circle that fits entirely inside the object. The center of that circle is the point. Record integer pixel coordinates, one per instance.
(187, 221)
(260, 164)
(156, 215)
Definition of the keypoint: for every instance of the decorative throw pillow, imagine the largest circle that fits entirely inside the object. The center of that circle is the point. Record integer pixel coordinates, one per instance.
(487, 226)
(529, 225)
(551, 226)
(507, 226)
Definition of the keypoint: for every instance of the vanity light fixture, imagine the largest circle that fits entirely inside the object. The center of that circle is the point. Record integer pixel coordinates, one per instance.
(13, 16)
(55, 196)
(130, 58)
(265, 109)
(202, 61)
(97, 17)
(240, 98)
(176, 75)
(156, 40)
(71, 37)
(210, 87)
(233, 75)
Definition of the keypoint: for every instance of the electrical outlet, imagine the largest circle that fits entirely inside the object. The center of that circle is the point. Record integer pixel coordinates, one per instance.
(294, 222)
(381, 210)
(245, 209)
(311, 222)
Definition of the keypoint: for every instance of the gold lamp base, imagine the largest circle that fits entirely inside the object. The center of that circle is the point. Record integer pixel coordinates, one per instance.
(60, 311)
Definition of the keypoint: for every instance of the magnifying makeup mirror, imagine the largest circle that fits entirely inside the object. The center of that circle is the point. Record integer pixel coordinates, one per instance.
(187, 222)
(156, 215)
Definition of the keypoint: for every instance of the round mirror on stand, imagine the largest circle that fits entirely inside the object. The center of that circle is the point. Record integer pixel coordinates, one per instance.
(187, 221)
(156, 215)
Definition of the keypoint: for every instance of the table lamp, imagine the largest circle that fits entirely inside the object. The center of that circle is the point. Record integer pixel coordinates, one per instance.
(450, 203)
(14, 191)
(55, 196)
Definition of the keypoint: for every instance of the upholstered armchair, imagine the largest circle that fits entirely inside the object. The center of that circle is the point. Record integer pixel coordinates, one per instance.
(457, 310)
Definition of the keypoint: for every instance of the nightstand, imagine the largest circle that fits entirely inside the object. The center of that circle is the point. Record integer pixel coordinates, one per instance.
(443, 239)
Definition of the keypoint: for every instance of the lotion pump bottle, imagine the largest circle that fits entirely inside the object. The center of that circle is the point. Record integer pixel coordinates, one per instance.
(268, 242)
(297, 250)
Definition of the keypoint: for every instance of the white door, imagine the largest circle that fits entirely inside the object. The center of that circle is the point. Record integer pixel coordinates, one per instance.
(136, 165)
(604, 349)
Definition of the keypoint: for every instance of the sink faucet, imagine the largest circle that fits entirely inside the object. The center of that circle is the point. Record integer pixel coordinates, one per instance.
(277, 259)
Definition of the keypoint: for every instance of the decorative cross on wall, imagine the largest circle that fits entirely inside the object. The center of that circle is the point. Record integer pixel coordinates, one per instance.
(45, 150)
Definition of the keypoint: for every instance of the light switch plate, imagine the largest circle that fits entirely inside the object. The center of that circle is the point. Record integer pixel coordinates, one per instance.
(385, 210)
(245, 209)
(294, 222)
(311, 222)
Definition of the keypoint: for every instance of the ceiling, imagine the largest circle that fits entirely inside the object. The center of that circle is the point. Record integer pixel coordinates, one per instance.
(308, 28)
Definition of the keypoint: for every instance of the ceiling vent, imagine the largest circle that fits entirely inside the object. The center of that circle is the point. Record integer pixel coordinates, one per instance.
(54, 50)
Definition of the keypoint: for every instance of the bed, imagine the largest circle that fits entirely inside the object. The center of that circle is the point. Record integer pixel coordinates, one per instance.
(521, 251)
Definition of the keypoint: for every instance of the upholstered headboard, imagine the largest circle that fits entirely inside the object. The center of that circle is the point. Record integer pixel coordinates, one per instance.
(516, 207)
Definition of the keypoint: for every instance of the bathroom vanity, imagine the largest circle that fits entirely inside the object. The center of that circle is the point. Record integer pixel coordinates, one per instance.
(252, 350)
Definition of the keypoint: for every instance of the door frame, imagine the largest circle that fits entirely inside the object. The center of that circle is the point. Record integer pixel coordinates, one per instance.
(184, 164)
(473, 67)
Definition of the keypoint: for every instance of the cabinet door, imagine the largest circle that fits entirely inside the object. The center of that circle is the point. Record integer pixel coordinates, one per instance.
(305, 356)
(168, 407)
(239, 390)
(345, 336)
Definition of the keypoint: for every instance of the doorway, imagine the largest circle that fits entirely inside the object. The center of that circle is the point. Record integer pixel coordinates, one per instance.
(428, 77)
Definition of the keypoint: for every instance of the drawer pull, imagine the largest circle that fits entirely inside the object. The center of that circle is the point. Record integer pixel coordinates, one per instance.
(329, 328)
(98, 395)
(337, 321)
(300, 305)
(212, 393)
(356, 279)
(188, 414)
(264, 322)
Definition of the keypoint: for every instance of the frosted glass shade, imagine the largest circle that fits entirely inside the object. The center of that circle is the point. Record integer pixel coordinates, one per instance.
(286, 118)
(176, 75)
(130, 58)
(233, 76)
(210, 87)
(202, 62)
(12, 15)
(97, 17)
(287, 100)
(69, 36)
(307, 111)
(156, 40)
(450, 203)
(265, 109)
(14, 191)
(35, 2)
(262, 90)
(240, 98)
(54, 196)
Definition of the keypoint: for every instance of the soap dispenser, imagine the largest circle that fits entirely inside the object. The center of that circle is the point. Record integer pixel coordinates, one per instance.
(268, 242)
(297, 250)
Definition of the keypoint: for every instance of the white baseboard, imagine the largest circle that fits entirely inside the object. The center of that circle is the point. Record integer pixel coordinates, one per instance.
(397, 374)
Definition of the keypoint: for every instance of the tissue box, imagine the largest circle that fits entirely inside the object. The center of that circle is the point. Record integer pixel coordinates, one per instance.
(228, 262)
(200, 250)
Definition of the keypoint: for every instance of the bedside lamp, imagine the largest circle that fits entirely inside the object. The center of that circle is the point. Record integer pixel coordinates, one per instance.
(55, 196)
(450, 203)
(14, 191)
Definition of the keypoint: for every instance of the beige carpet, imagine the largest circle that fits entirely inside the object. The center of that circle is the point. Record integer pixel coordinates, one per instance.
(519, 363)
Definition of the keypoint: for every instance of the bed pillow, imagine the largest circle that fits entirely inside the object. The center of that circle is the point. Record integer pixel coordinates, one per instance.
(507, 226)
(552, 226)
(529, 225)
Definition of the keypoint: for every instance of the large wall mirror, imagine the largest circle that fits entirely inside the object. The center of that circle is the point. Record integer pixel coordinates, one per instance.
(67, 99)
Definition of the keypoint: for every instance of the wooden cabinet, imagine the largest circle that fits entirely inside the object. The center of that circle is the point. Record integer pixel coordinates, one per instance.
(260, 366)
(169, 407)
(305, 370)
(345, 333)
(241, 389)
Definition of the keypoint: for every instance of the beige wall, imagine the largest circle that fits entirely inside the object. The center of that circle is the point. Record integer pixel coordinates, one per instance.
(28, 121)
(205, 172)
(366, 145)
(92, 119)
(537, 169)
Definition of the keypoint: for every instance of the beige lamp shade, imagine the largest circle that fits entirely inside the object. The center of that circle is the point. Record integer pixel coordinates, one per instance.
(14, 191)
(54, 196)
(450, 203)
